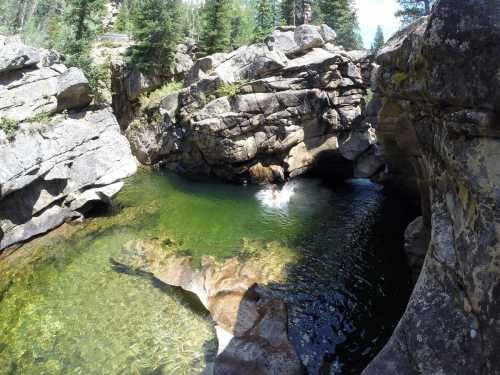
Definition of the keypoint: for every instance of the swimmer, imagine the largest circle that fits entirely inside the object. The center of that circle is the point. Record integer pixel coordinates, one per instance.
(274, 189)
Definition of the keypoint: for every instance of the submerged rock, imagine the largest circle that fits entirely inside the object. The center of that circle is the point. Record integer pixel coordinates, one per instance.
(251, 325)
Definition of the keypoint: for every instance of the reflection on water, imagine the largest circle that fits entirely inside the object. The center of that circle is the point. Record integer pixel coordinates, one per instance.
(66, 311)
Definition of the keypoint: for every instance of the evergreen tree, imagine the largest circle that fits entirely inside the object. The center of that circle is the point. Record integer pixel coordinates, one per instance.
(413, 9)
(242, 24)
(83, 17)
(124, 23)
(216, 30)
(292, 11)
(82, 20)
(341, 16)
(156, 32)
(264, 21)
(379, 40)
(288, 12)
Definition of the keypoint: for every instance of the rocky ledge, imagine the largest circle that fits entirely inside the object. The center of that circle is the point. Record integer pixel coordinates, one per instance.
(261, 113)
(438, 82)
(58, 156)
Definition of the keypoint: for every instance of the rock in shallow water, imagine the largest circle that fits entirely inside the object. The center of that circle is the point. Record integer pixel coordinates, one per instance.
(251, 325)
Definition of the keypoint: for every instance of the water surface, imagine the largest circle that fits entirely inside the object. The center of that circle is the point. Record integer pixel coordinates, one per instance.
(65, 310)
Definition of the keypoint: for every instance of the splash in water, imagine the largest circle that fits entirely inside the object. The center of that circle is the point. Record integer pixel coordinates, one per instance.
(274, 197)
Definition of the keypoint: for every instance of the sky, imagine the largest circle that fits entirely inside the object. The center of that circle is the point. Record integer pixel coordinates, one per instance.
(372, 13)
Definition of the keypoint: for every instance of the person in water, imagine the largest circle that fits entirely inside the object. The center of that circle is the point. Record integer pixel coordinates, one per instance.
(274, 189)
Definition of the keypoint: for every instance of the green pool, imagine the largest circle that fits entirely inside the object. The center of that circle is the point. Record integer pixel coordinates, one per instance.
(65, 310)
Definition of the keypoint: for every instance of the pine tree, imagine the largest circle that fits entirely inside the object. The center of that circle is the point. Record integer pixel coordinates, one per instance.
(264, 21)
(124, 22)
(379, 40)
(156, 32)
(292, 11)
(242, 24)
(82, 20)
(413, 9)
(216, 30)
(341, 16)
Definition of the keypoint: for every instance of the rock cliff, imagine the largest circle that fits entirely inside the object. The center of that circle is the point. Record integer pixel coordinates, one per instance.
(438, 82)
(261, 113)
(57, 155)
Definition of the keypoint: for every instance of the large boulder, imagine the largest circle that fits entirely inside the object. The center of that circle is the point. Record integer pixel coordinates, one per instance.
(284, 40)
(16, 56)
(440, 77)
(250, 62)
(37, 84)
(73, 90)
(285, 118)
(51, 171)
(54, 167)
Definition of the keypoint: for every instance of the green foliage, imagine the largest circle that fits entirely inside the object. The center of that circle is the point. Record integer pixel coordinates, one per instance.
(155, 96)
(83, 22)
(124, 22)
(399, 78)
(242, 24)
(264, 21)
(97, 75)
(10, 127)
(41, 118)
(379, 40)
(290, 12)
(157, 32)
(413, 9)
(190, 20)
(216, 30)
(368, 97)
(229, 89)
(341, 16)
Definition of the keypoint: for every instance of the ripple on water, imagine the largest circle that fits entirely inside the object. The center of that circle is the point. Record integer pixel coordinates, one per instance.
(69, 312)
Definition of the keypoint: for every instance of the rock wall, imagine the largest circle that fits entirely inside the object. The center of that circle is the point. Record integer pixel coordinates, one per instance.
(59, 156)
(438, 82)
(261, 113)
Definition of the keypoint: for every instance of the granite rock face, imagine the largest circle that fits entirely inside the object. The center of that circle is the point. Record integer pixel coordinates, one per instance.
(263, 114)
(34, 82)
(56, 166)
(438, 81)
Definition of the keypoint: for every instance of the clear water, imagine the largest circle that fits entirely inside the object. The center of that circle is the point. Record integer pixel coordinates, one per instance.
(65, 310)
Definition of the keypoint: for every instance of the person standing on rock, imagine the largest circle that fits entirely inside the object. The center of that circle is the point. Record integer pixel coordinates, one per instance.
(307, 14)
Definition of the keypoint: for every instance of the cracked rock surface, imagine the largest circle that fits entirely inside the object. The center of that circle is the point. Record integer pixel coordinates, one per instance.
(438, 81)
(55, 166)
(261, 113)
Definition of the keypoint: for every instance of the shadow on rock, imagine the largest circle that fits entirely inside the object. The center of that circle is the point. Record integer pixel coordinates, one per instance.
(251, 324)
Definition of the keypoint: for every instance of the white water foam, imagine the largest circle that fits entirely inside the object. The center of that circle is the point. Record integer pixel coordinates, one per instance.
(276, 197)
